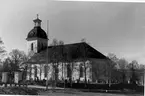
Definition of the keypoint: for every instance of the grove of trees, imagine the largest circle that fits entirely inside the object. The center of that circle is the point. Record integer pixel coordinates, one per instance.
(127, 72)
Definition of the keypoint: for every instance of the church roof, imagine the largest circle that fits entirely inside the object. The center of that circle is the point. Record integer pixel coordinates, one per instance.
(37, 32)
(66, 53)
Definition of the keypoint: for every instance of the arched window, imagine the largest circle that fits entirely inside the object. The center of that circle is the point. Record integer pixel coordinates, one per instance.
(68, 71)
(32, 46)
(30, 72)
(81, 71)
(35, 74)
(45, 70)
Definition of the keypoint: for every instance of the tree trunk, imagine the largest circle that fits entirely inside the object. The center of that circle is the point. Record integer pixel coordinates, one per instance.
(62, 71)
(71, 73)
(85, 74)
(123, 76)
(56, 73)
(40, 71)
(53, 75)
(46, 75)
(30, 74)
(26, 72)
(64, 75)
(79, 74)
(110, 71)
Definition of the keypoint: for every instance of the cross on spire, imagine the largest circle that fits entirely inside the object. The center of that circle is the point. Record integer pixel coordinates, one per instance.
(37, 16)
(37, 21)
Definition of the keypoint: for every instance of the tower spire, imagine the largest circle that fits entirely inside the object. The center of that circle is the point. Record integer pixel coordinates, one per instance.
(37, 16)
(37, 21)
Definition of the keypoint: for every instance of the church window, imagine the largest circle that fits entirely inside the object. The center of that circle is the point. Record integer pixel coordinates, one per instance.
(32, 46)
(68, 71)
(35, 68)
(30, 71)
(81, 71)
(45, 71)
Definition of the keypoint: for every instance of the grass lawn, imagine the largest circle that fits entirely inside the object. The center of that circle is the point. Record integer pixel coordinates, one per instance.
(18, 91)
(56, 92)
(85, 94)
(72, 92)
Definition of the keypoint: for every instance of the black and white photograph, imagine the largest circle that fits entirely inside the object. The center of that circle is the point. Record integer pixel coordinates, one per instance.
(72, 48)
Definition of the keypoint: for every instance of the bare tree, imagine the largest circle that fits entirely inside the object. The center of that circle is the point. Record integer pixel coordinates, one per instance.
(98, 71)
(113, 57)
(54, 42)
(112, 62)
(62, 57)
(14, 62)
(53, 59)
(83, 40)
(141, 73)
(84, 52)
(57, 56)
(7, 63)
(123, 66)
(133, 67)
(18, 57)
(2, 49)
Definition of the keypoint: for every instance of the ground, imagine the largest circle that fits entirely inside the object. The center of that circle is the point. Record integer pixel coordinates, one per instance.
(41, 90)
(85, 94)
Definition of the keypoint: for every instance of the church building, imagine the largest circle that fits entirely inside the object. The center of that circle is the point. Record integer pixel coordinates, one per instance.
(78, 61)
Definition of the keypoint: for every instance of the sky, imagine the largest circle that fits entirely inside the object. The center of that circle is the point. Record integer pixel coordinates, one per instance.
(109, 27)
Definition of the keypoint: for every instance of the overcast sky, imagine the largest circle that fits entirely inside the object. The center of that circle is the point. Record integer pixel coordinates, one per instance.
(117, 28)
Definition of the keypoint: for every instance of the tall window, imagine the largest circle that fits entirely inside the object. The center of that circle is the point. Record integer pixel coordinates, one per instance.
(68, 71)
(81, 71)
(45, 70)
(30, 71)
(35, 68)
(32, 46)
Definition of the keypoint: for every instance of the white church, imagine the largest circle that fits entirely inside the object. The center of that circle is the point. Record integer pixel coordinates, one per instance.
(78, 60)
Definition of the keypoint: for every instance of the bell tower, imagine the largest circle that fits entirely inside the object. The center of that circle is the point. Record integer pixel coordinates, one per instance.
(37, 38)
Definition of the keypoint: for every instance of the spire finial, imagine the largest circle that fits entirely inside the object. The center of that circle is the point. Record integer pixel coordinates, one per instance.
(37, 16)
